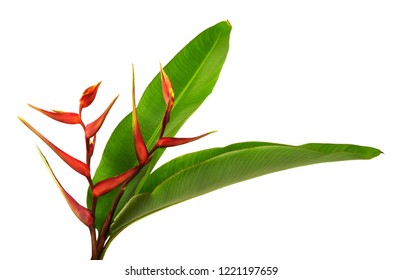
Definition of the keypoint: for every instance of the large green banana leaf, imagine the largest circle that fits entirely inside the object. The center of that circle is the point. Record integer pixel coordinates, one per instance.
(193, 72)
(201, 172)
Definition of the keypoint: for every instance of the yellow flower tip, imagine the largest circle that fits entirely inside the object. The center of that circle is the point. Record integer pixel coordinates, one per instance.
(163, 73)
(92, 88)
(97, 85)
(22, 120)
(25, 123)
(167, 88)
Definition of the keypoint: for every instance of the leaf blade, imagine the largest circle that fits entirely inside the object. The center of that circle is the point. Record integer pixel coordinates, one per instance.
(193, 72)
(201, 172)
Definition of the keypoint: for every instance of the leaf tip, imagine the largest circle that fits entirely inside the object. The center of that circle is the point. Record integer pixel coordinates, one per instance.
(373, 152)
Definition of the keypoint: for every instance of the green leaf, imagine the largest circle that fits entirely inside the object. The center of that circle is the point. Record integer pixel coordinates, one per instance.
(201, 172)
(193, 73)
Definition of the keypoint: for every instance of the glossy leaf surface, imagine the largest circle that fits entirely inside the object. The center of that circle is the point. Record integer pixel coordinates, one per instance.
(193, 73)
(201, 172)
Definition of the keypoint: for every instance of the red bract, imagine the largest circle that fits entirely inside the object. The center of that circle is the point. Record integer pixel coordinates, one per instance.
(74, 163)
(88, 96)
(168, 95)
(139, 144)
(165, 142)
(82, 213)
(167, 88)
(64, 117)
(92, 128)
(107, 185)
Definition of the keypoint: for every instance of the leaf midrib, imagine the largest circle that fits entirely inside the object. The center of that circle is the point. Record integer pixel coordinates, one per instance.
(157, 131)
(172, 176)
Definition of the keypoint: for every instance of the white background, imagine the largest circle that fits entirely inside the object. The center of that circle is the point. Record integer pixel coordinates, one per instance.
(297, 72)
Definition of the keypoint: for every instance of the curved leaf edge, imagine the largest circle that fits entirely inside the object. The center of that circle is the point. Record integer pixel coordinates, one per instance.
(340, 152)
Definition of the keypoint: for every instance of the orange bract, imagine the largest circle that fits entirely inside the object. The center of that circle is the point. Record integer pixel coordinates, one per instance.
(107, 185)
(88, 96)
(139, 144)
(167, 88)
(64, 117)
(165, 142)
(74, 163)
(92, 128)
(82, 213)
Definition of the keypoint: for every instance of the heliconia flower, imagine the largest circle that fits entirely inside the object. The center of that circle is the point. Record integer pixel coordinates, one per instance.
(82, 213)
(92, 128)
(107, 185)
(88, 96)
(64, 117)
(168, 95)
(139, 144)
(167, 88)
(74, 163)
(165, 142)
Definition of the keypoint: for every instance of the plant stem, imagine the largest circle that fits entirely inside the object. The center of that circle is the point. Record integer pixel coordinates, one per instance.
(92, 230)
(103, 235)
(93, 240)
(106, 226)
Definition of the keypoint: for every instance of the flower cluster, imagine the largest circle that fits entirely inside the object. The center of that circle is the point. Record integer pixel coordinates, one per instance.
(85, 215)
(144, 155)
